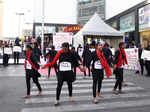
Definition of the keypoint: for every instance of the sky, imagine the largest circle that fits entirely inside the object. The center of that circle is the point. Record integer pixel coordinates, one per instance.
(56, 11)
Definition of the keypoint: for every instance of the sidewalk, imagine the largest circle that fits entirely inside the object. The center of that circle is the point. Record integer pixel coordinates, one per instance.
(11, 61)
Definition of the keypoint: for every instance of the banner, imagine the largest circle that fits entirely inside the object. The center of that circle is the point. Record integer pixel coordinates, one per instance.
(17, 49)
(146, 55)
(132, 58)
(59, 38)
(7, 51)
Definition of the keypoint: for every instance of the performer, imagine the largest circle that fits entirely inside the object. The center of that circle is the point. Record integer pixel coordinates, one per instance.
(78, 59)
(31, 68)
(86, 59)
(52, 53)
(119, 62)
(16, 55)
(98, 66)
(65, 72)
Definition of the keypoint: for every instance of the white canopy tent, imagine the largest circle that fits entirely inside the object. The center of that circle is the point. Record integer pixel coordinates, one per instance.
(96, 27)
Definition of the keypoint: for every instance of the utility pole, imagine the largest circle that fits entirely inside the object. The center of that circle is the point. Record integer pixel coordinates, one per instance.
(43, 18)
(19, 24)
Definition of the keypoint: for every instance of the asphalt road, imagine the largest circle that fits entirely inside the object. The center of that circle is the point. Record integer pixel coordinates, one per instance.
(13, 88)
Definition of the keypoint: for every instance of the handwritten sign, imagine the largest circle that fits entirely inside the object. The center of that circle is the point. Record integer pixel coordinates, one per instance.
(59, 38)
(132, 58)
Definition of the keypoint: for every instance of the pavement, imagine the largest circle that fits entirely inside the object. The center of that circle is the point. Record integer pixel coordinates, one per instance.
(12, 88)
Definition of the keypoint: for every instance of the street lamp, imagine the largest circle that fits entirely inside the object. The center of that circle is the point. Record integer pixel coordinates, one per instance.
(43, 18)
(19, 23)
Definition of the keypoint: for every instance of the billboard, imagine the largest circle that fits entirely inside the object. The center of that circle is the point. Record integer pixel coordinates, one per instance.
(59, 38)
(47, 29)
(144, 17)
(127, 23)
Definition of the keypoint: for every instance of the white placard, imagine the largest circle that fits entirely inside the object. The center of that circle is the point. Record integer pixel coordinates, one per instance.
(65, 66)
(132, 58)
(17, 49)
(146, 55)
(98, 65)
(59, 38)
(1, 52)
(7, 51)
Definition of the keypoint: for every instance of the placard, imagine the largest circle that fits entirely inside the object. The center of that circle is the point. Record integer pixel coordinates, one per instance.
(146, 55)
(7, 51)
(132, 58)
(17, 49)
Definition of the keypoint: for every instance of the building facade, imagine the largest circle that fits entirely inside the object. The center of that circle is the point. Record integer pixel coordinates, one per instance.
(134, 22)
(87, 8)
(1, 19)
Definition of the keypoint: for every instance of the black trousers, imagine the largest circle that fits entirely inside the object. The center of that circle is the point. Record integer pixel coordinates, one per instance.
(61, 78)
(29, 75)
(147, 65)
(141, 61)
(88, 71)
(119, 78)
(49, 70)
(5, 59)
(59, 87)
(16, 57)
(97, 80)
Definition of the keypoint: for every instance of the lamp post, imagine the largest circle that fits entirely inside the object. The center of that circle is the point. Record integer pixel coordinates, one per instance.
(19, 24)
(43, 18)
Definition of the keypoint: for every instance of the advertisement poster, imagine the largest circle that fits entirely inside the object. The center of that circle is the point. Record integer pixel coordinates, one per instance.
(59, 38)
(132, 58)
(144, 17)
(127, 23)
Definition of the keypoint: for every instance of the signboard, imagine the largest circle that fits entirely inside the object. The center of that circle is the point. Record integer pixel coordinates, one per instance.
(146, 55)
(73, 28)
(7, 51)
(144, 17)
(59, 38)
(127, 23)
(132, 58)
(17, 49)
(47, 29)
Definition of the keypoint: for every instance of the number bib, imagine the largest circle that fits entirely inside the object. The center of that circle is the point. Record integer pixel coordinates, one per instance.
(65, 66)
(97, 65)
(28, 65)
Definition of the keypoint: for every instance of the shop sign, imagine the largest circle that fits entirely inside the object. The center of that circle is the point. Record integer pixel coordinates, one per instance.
(47, 29)
(127, 23)
(144, 17)
(73, 28)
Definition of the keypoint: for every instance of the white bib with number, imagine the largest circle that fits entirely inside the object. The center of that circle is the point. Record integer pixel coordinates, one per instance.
(28, 65)
(98, 65)
(65, 66)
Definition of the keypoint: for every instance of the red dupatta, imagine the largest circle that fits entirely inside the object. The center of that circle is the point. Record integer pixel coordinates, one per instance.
(27, 58)
(104, 63)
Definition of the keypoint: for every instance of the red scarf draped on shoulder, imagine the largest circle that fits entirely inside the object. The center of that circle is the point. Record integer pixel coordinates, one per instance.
(27, 58)
(122, 60)
(55, 59)
(104, 63)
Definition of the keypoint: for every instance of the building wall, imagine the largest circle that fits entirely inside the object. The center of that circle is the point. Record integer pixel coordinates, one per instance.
(1, 20)
(87, 9)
